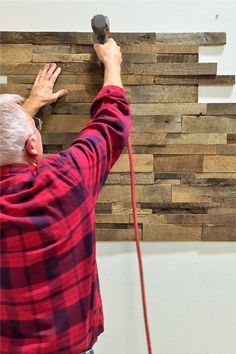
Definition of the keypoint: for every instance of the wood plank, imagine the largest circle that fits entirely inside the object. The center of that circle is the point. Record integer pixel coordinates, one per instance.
(116, 234)
(167, 181)
(211, 80)
(173, 149)
(112, 218)
(197, 138)
(85, 96)
(81, 48)
(16, 37)
(197, 178)
(145, 58)
(103, 208)
(12, 53)
(52, 48)
(77, 92)
(58, 138)
(162, 232)
(180, 207)
(222, 211)
(226, 149)
(180, 149)
(177, 58)
(168, 108)
(231, 138)
(199, 194)
(22, 90)
(219, 233)
(83, 79)
(200, 219)
(149, 218)
(168, 94)
(62, 79)
(47, 37)
(189, 163)
(33, 68)
(137, 37)
(209, 124)
(148, 138)
(70, 108)
(159, 48)
(198, 38)
(113, 178)
(170, 69)
(64, 123)
(140, 178)
(210, 179)
(219, 164)
(221, 109)
(59, 57)
(156, 123)
(126, 209)
(161, 193)
(124, 178)
(142, 163)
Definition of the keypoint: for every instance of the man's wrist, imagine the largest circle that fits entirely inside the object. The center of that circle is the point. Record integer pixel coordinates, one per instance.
(112, 75)
(32, 106)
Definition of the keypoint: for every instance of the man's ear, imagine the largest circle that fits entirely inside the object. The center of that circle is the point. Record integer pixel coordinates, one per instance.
(31, 147)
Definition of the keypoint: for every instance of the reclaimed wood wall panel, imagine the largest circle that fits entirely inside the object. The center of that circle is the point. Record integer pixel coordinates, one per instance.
(184, 151)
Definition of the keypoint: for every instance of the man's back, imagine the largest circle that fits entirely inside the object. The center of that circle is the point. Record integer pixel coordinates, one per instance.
(50, 291)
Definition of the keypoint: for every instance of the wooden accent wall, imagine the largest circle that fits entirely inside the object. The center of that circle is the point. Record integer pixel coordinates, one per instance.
(184, 151)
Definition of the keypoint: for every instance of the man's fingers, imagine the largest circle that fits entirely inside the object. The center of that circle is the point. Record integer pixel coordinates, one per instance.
(38, 76)
(44, 71)
(59, 94)
(55, 75)
(51, 71)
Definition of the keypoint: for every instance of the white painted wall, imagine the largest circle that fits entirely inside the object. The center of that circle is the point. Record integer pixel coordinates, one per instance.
(191, 287)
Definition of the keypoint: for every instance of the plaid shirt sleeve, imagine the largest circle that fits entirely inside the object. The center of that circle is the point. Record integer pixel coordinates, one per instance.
(102, 140)
(50, 294)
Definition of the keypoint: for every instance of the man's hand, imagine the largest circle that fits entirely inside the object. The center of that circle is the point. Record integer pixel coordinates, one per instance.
(42, 90)
(111, 56)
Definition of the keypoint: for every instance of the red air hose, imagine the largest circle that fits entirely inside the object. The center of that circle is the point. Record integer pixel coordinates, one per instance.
(100, 26)
(139, 254)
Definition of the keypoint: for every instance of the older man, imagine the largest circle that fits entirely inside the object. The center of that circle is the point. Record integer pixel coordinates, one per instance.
(50, 290)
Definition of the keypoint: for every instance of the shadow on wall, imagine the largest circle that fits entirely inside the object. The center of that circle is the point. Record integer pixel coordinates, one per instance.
(150, 248)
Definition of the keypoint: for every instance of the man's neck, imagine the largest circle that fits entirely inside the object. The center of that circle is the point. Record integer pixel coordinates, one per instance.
(24, 159)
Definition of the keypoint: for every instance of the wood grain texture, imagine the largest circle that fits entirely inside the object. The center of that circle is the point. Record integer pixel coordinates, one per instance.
(60, 57)
(161, 232)
(168, 94)
(20, 53)
(159, 48)
(200, 38)
(168, 108)
(219, 233)
(184, 151)
(121, 193)
(195, 80)
(143, 163)
(156, 123)
(167, 69)
(209, 124)
(189, 163)
(219, 164)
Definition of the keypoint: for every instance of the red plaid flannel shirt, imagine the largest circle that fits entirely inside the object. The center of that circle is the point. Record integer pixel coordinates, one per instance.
(50, 297)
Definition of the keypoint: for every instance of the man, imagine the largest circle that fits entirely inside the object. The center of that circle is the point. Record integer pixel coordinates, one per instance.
(50, 290)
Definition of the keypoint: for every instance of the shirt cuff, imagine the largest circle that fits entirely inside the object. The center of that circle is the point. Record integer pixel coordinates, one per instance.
(111, 89)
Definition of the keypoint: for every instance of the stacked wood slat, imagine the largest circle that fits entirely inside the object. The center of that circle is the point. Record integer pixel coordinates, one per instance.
(184, 151)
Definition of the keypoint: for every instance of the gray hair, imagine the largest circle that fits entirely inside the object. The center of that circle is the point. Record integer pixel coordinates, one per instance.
(15, 127)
